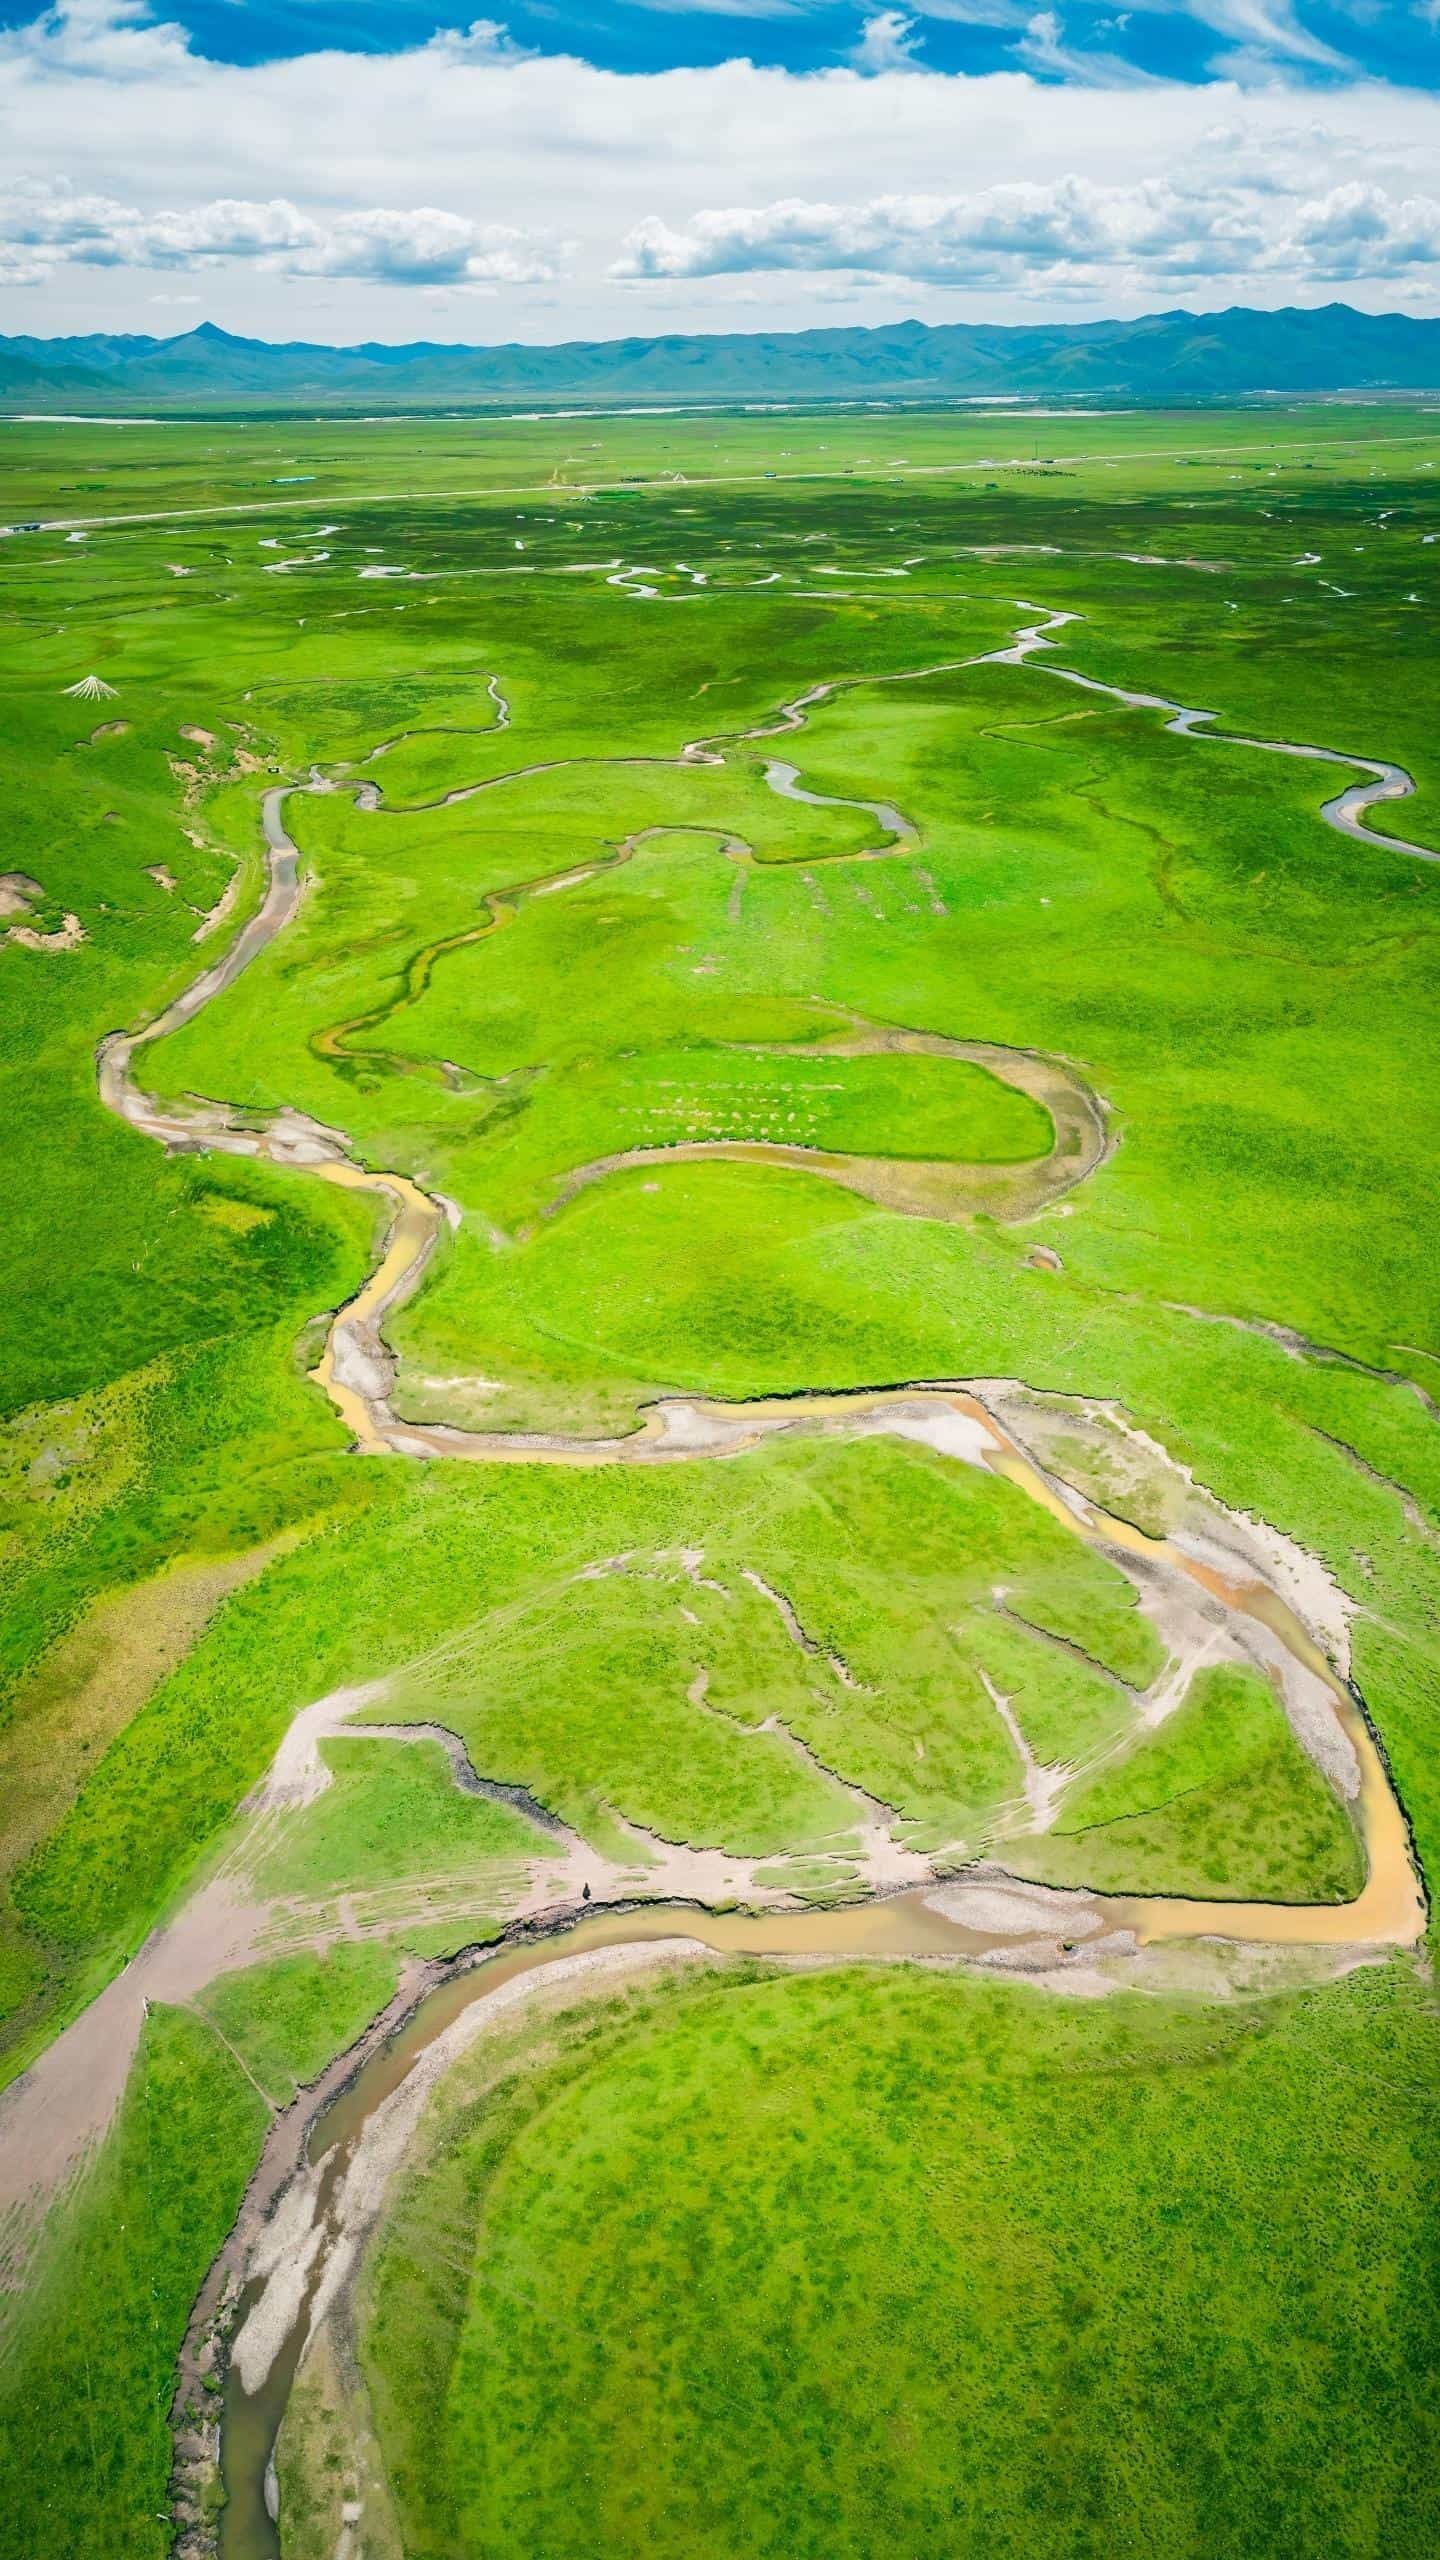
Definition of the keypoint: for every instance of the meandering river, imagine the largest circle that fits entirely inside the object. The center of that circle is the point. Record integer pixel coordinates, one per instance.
(994, 1920)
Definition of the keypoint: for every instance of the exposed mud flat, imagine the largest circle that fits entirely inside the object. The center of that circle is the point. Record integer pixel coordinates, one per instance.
(357, 1369)
(288, 2269)
(55, 2115)
(1217, 1586)
(913, 1186)
(1208, 1588)
(1061, 1430)
(20, 896)
(294, 2251)
(52, 2118)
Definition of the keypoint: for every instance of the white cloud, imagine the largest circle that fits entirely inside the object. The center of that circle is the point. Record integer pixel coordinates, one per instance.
(484, 41)
(428, 247)
(99, 40)
(887, 42)
(980, 13)
(462, 164)
(1263, 30)
(1042, 48)
(1042, 37)
(1158, 236)
(53, 223)
(736, 8)
(1360, 226)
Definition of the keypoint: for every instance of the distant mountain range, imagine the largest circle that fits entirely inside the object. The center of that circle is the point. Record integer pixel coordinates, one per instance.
(1174, 356)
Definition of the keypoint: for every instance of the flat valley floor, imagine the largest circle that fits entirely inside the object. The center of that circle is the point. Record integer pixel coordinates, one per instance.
(720, 1487)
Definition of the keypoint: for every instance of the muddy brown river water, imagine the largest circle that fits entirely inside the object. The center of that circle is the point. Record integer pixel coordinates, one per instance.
(907, 1926)
(1056, 1932)
(1051, 1936)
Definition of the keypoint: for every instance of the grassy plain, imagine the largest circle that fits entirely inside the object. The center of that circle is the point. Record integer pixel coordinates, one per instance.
(89, 2364)
(825, 2264)
(190, 1555)
(477, 1591)
(1217, 1793)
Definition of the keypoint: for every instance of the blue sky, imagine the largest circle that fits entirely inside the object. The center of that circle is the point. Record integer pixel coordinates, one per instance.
(368, 169)
(1322, 44)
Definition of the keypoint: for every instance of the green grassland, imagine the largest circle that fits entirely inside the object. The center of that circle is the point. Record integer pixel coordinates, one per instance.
(391, 1811)
(85, 2450)
(188, 1554)
(477, 1591)
(283, 2021)
(829, 2263)
(1200, 1801)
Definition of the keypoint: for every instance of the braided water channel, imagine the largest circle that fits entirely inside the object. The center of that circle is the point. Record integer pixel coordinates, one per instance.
(315, 2163)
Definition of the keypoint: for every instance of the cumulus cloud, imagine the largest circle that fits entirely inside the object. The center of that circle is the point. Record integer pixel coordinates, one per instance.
(1361, 227)
(43, 225)
(98, 40)
(427, 247)
(1068, 224)
(485, 41)
(1050, 238)
(463, 164)
(887, 42)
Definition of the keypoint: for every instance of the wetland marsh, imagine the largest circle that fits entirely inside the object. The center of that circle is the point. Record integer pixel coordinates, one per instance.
(794, 1392)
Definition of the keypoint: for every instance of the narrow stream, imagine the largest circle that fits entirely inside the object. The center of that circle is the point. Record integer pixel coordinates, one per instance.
(904, 1926)
(1061, 1928)
(914, 1925)
(356, 1371)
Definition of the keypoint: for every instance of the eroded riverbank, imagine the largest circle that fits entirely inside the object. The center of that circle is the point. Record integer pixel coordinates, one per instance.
(288, 2272)
(1066, 1941)
(1222, 1589)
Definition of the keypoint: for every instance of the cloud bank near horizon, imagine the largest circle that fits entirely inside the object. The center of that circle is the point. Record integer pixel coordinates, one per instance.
(1067, 237)
(324, 193)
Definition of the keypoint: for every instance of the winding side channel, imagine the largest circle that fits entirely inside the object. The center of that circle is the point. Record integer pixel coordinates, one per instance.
(303, 2224)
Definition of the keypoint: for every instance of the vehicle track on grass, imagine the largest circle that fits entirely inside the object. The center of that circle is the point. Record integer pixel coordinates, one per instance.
(356, 1369)
(960, 1421)
(662, 484)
